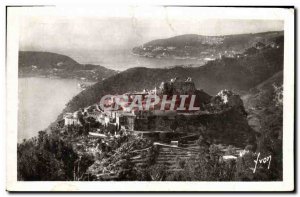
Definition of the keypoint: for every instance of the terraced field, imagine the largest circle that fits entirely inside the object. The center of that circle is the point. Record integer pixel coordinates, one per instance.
(167, 155)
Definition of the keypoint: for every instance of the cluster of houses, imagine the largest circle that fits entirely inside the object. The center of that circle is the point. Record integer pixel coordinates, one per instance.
(124, 119)
(105, 118)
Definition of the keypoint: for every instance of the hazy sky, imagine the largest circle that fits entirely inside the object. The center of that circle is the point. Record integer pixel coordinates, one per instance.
(111, 33)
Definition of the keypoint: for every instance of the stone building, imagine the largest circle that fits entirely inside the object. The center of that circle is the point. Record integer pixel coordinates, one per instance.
(178, 86)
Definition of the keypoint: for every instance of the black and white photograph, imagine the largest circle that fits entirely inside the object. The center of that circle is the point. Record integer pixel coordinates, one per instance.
(160, 98)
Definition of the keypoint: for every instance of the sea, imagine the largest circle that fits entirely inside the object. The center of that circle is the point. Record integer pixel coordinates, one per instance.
(124, 59)
(41, 100)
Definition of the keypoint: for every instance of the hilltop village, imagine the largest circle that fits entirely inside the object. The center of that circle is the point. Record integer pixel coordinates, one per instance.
(140, 121)
(172, 134)
(132, 119)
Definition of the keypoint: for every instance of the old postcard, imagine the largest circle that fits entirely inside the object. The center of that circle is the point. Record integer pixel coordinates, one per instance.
(159, 98)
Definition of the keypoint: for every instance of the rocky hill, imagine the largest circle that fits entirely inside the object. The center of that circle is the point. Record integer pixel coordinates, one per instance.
(205, 47)
(46, 64)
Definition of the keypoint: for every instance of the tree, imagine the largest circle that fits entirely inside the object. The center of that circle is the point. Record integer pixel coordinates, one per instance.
(45, 158)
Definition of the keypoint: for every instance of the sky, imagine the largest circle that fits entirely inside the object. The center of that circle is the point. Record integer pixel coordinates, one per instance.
(59, 33)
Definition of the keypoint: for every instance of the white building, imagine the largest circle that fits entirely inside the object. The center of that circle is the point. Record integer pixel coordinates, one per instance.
(71, 120)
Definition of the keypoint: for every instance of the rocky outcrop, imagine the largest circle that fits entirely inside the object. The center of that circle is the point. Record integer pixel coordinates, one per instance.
(226, 121)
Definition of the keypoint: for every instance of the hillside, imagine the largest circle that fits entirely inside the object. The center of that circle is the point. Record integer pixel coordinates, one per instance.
(264, 105)
(205, 47)
(46, 64)
(239, 74)
(262, 101)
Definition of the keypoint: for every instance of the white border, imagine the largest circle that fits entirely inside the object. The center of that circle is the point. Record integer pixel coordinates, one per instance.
(287, 184)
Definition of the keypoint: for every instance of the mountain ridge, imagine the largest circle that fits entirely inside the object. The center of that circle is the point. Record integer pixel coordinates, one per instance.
(49, 64)
(201, 46)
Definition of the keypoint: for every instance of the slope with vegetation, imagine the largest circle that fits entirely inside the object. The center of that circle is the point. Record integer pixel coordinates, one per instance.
(264, 105)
